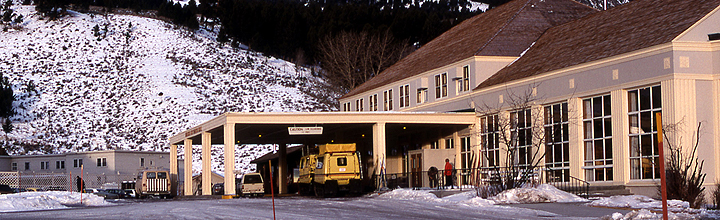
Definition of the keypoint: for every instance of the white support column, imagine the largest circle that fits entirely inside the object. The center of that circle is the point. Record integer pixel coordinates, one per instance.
(282, 169)
(229, 142)
(206, 164)
(620, 141)
(538, 122)
(187, 168)
(379, 139)
(678, 108)
(716, 129)
(173, 168)
(576, 145)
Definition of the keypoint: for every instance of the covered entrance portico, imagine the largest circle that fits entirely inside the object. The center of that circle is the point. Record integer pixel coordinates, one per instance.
(371, 131)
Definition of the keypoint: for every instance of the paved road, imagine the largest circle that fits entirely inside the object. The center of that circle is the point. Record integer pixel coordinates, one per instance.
(295, 208)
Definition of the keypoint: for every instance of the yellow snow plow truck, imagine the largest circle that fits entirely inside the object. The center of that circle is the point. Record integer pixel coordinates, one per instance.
(336, 168)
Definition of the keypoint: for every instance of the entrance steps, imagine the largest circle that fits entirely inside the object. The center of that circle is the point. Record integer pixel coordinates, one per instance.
(607, 191)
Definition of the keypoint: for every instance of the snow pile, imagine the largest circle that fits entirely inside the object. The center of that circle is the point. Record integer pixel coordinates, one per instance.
(465, 198)
(638, 202)
(647, 214)
(648, 208)
(27, 201)
(542, 193)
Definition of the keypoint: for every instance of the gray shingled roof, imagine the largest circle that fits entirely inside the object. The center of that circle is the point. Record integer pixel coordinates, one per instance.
(622, 29)
(503, 31)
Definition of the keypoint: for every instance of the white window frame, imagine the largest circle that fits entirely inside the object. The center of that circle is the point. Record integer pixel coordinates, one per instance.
(519, 125)
(404, 96)
(422, 95)
(373, 102)
(597, 115)
(640, 136)
(101, 162)
(463, 82)
(490, 140)
(14, 166)
(387, 100)
(557, 142)
(441, 82)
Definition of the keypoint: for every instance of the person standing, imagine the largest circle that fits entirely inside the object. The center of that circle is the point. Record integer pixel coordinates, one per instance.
(448, 173)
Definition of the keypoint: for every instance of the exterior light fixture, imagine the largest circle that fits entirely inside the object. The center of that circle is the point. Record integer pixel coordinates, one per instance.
(259, 135)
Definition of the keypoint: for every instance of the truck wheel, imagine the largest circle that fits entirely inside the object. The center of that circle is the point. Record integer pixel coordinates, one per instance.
(319, 190)
(331, 188)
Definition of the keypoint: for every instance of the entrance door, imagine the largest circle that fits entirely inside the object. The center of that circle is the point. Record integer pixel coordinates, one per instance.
(416, 170)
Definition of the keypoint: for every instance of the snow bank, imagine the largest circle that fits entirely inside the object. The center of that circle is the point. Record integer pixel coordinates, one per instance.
(647, 214)
(638, 202)
(542, 193)
(28, 201)
(649, 208)
(466, 198)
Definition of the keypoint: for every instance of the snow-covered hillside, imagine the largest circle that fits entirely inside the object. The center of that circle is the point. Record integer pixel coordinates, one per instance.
(132, 82)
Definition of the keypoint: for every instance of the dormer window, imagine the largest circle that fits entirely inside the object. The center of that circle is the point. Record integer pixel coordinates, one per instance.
(463, 82)
(404, 96)
(441, 85)
(387, 98)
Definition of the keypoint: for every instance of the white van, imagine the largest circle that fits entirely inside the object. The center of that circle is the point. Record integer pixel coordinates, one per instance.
(252, 185)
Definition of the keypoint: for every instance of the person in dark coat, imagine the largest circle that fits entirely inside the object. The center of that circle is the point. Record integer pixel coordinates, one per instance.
(80, 184)
(432, 176)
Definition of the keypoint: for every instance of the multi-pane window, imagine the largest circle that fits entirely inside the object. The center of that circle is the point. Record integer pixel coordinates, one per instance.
(644, 158)
(60, 164)
(465, 158)
(597, 126)
(359, 105)
(77, 162)
(387, 99)
(463, 83)
(441, 85)
(346, 107)
(404, 96)
(422, 95)
(13, 166)
(449, 143)
(490, 140)
(102, 162)
(521, 131)
(434, 145)
(44, 165)
(373, 99)
(557, 150)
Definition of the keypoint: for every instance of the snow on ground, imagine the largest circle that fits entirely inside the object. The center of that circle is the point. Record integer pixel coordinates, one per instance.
(29, 201)
(542, 193)
(679, 209)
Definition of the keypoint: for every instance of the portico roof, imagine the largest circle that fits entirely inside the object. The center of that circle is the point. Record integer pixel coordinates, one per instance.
(249, 123)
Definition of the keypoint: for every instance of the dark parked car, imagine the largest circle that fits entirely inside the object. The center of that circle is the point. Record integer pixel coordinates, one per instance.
(5, 189)
(106, 195)
(218, 189)
(121, 193)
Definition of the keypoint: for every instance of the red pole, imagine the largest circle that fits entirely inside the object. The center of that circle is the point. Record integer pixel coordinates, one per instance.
(272, 188)
(661, 151)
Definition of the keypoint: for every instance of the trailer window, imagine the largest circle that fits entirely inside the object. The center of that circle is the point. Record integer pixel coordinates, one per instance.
(253, 179)
(150, 175)
(162, 175)
(342, 161)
